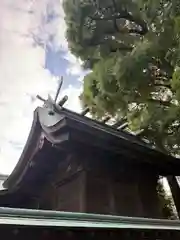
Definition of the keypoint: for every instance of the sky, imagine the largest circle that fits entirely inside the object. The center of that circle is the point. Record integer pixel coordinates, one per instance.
(33, 55)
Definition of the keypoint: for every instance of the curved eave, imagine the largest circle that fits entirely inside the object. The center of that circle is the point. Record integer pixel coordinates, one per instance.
(43, 126)
(28, 152)
(3, 177)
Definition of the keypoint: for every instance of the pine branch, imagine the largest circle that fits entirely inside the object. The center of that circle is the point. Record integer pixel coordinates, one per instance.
(160, 102)
(93, 42)
(163, 85)
(127, 16)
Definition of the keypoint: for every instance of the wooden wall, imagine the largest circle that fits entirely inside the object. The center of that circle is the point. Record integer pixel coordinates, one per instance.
(122, 189)
(96, 185)
(65, 190)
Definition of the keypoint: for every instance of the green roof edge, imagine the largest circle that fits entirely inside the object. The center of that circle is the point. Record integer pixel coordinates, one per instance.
(27, 217)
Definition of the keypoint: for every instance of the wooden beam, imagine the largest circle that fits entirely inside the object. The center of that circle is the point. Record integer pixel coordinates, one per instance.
(123, 126)
(85, 111)
(40, 98)
(59, 89)
(175, 190)
(106, 119)
(119, 123)
(63, 101)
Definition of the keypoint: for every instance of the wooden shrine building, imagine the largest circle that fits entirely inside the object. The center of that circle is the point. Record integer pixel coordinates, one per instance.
(73, 163)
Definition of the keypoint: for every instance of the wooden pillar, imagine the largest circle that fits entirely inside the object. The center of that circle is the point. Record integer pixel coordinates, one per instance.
(127, 200)
(148, 194)
(82, 192)
(97, 194)
(112, 204)
(175, 190)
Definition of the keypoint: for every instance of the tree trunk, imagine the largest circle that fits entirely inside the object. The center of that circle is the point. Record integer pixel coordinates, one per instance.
(175, 190)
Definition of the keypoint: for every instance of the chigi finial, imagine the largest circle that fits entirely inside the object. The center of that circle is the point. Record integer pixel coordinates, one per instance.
(59, 89)
(52, 103)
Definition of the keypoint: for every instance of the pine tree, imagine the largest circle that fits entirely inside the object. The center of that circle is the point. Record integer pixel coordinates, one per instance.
(133, 51)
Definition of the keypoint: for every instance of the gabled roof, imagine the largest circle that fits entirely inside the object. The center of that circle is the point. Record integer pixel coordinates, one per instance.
(61, 127)
(3, 177)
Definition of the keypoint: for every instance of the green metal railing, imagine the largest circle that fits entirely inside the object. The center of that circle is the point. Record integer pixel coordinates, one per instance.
(28, 217)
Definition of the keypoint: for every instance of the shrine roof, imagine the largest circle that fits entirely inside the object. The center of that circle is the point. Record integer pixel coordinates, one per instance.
(3, 177)
(28, 217)
(55, 128)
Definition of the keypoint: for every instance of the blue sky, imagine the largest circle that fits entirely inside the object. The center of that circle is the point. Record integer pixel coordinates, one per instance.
(33, 55)
(60, 66)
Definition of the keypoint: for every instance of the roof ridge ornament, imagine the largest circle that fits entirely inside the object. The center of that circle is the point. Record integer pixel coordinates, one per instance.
(52, 103)
(55, 106)
(58, 89)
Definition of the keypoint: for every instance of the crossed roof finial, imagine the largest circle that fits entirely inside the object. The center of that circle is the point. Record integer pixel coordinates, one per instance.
(50, 102)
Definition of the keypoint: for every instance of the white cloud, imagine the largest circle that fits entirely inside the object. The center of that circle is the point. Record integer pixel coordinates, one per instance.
(75, 67)
(22, 72)
(73, 102)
